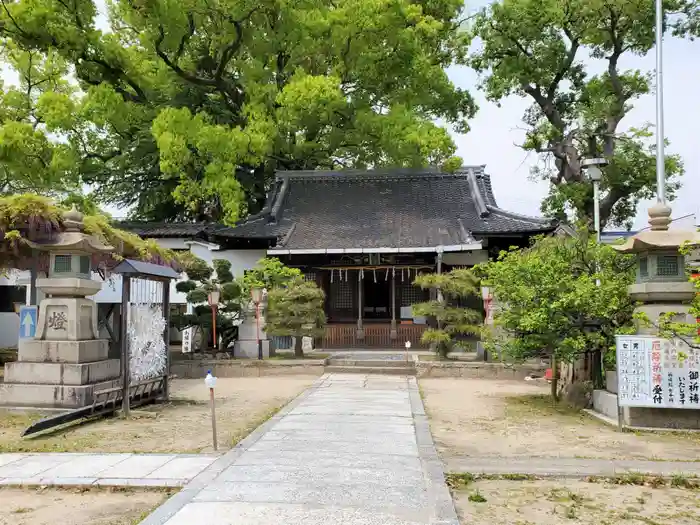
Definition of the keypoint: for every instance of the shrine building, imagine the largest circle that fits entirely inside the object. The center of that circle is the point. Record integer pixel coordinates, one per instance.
(363, 236)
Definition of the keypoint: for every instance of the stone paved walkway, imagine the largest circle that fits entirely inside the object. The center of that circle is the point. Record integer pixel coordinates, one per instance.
(351, 450)
(136, 470)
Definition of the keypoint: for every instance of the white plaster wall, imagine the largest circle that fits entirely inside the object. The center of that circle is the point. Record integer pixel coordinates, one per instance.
(176, 243)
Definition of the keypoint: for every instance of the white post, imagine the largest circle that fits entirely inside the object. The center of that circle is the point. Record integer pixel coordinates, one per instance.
(660, 158)
(210, 382)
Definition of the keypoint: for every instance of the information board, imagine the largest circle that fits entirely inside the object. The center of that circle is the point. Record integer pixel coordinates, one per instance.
(657, 372)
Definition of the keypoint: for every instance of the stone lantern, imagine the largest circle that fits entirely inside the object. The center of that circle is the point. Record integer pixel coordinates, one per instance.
(662, 285)
(66, 361)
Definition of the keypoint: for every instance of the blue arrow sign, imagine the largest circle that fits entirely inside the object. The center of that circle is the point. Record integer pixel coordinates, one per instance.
(27, 322)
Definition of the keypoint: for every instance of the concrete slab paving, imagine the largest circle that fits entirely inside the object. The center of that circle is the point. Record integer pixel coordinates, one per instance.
(87, 466)
(181, 468)
(351, 450)
(137, 466)
(133, 470)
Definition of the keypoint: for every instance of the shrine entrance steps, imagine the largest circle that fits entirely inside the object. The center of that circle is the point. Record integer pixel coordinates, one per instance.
(364, 363)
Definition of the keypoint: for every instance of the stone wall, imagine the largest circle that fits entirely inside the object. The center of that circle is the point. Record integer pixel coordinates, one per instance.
(197, 369)
(471, 370)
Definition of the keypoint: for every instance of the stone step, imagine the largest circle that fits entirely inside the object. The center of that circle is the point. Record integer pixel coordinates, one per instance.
(395, 363)
(386, 370)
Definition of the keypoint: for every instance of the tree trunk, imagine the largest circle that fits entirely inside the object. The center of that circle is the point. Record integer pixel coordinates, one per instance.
(555, 379)
(298, 348)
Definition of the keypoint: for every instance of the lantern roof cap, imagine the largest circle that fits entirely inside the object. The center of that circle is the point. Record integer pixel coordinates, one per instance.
(73, 238)
(658, 236)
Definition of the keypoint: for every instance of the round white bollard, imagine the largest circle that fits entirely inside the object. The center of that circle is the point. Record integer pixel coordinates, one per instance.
(210, 380)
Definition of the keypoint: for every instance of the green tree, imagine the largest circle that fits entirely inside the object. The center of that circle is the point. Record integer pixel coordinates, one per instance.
(454, 321)
(199, 284)
(534, 49)
(27, 218)
(269, 273)
(550, 305)
(186, 109)
(296, 309)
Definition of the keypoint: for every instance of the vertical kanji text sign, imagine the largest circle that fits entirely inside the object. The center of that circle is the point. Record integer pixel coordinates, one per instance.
(657, 372)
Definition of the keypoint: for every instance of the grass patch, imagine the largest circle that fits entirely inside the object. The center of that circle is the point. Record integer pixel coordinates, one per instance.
(22, 510)
(646, 480)
(461, 480)
(477, 497)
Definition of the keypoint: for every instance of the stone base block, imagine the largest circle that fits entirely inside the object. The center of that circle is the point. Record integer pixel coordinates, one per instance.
(62, 373)
(49, 396)
(606, 403)
(247, 348)
(35, 351)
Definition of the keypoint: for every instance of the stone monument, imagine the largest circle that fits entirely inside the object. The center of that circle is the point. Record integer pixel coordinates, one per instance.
(250, 329)
(661, 287)
(66, 362)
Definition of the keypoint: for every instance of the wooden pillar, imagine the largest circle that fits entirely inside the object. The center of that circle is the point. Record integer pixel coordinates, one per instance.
(360, 305)
(123, 341)
(166, 338)
(394, 332)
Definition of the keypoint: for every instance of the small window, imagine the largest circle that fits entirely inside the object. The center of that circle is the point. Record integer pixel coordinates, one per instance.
(62, 264)
(643, 267)
(11, 296)
(85, 264)
(667, 266)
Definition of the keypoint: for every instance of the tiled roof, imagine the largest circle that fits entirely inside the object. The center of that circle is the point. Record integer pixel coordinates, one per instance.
(383, 209)
(159, 230)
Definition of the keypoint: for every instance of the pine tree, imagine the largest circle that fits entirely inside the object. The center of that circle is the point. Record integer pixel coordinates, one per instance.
(453, 321)
(296, 309)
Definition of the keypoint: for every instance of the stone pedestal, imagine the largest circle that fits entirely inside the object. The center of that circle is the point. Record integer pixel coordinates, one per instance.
(247, 344)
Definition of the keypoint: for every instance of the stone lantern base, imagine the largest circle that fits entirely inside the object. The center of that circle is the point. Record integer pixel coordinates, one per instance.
(59, 374)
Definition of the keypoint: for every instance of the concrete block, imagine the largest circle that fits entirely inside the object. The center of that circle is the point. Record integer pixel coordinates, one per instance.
(237, 513)
(314, 474)
(84, 466)
(248, 348)
(138, 466)
(182, 468)
(367, 495)
(329, 459)
(388, 447)
(606, 403)
(32, 466)
(611, 381)
(36, 351)
(46, 396)
(62, 373)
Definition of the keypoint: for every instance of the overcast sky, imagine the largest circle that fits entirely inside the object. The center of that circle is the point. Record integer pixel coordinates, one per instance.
(494, 131)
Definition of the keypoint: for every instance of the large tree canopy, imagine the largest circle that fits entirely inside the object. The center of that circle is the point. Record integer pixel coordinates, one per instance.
(535, 49)
(197, 102)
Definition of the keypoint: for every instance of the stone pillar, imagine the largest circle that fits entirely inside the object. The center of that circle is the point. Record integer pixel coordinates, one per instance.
(360, 284)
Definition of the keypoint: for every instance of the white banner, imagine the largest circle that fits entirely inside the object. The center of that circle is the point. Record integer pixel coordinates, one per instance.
(657, 372)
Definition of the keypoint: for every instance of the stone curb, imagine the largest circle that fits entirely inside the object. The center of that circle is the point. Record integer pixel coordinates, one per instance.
(433, 470)
(168, 509)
